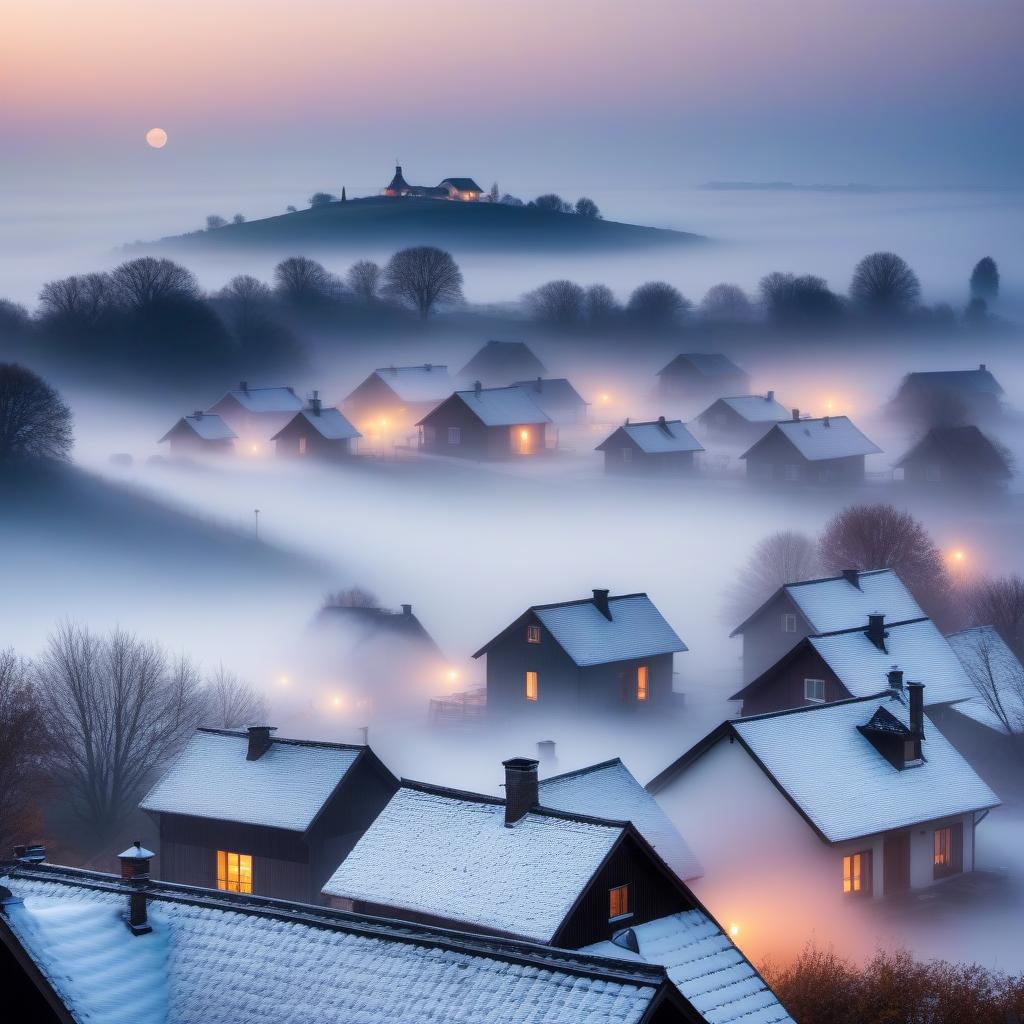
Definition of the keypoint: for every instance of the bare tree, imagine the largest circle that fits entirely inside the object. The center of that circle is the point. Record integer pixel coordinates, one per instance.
(726, 302)
(117, 708)
(551, 203)
(148, 280)
(239, 218)
(353, 597)
(997, 675)
(884, 283)
(322, 199)
(231, 703)
(423, 276)
(303, 281)
(34, 421)
(215, 221)
(510, 200)
(600, 303)
(557, 302)
(22, 746)
(806, 299)
(14, 318)
(999, 602)
(587, 208)
(778, 559)
(364, 279)
(985, 279)
(657, 303)
(494, 195)
(81, 300)
(247, 302)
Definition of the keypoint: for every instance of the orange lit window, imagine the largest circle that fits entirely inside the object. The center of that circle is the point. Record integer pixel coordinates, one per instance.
(234, 871)
(302, 446)
(533, 634)
(618, 902)
(641, 682)
(531, 685)
(857, 873)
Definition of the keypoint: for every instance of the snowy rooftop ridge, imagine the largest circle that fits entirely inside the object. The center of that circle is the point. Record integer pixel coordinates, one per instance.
(658, 437)
(329, 423)
(756, 408)
(207, 425)
(707, 364)
(830, 437)
(425, 383)
(279, 399)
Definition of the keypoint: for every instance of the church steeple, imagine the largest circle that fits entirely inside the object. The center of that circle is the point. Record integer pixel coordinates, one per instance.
(399, 186)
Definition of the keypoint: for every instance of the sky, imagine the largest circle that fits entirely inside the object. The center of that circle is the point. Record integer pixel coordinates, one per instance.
(602, 93)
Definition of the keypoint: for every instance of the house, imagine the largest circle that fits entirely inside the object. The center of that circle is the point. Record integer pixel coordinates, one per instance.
(556, 397)
(858, 662)
(658, 448)
(503, 362)
(201, 433)
(835, 802)
(948, 396)
(316, 432)
(462, 189)
(67, 956)
(513, 867)
(256, 414)
(814, 607)
(742, 418)
(598, 655)
(248, 812)
(956, 457)
(702, 375)
(485, 424)
(393, 398)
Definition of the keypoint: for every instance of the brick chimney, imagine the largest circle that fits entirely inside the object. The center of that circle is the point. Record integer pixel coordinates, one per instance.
(601, 603)
(915, 692)
(852, 576)
(407, 609)
(796, 414)
(521, 791)
(135, 874)
(982, 367)
(315, 403)
(895, 677)
(259, 741)
(876, 630)
(770, 397)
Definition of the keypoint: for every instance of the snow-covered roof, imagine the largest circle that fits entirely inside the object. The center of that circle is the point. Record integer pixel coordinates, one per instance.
(831, 437)
(658, 437)
(222, 959)
(636, 629)
(450, 855)
(707, 364)
(979, 381)
(329, 423)
(426, 383)
(557, 392)
(964, 447)
(513, 357)
(756, 408)
(843, 785)
(207, 425)
(917, 648)
(996, 674)
(284, 788)
(609, 790)
(265, 399)
(705, 965)
(501, 407)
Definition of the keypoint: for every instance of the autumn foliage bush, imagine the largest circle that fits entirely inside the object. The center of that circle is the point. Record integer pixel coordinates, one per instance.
(821, 987)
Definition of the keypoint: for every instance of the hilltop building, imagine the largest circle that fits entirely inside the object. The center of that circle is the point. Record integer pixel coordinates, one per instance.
(459, 189)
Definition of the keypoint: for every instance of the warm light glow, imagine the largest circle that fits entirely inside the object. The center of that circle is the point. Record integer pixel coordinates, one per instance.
(734, 930)
(452, 675)
(958, 555)
(524, 435)
(234, 871)
(157, 138)
(605, 398)
(255, 449)
(384, 422)
(284, 680)
(337, 701)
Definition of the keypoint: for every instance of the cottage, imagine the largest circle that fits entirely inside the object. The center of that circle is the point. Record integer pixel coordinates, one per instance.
(815, 607)
(555, 877)
(948, 396)
(557, 398)
(599, 655)
(956, 457)
(845, 801)
(657, 448)
(460, 189)
(702, 375)
(829, 450)
(256, 414)
(222, 958)
(485, 424)
(316, 432)
(202, 433)
(393, 398)
(741, 418)
(248, 812)
(503, 362)
(858, 662)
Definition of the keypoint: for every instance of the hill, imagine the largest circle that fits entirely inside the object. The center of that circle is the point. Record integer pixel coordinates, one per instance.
(379, 222)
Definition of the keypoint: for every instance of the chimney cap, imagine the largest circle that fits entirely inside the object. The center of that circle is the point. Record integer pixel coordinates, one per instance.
(521, 764)
(796, 414)
(136, 852)
(407, 609)
(769, 396)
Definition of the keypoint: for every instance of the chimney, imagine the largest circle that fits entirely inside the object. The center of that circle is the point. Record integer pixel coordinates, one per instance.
(546, 753)
(135, 874)
(982, 367)
(364, 735)
(825, 422)
(259, 741)
(244, 387)
(770, 397)
(601, 603)
(198, 414)
(876, 630)
(539, 386)
(852, 576)
(895, 677)
(314, 403)
(477, 388)
(796, 414)
(407, 609)
(916, 694)
(521, 792)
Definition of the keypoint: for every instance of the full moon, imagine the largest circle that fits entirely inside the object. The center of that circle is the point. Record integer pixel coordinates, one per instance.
(157, 138)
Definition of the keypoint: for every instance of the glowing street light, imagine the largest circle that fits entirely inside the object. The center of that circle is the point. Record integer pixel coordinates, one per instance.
(734, 930)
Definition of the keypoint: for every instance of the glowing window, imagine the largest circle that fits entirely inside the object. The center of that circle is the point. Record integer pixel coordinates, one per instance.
(302, 446)
(814, 689)
(642, 677)
(234, 871)
(857, 873)
(948, 850)
(789, 623)
(531, 685)
(533, 634)
(618, 902)
(455, 435)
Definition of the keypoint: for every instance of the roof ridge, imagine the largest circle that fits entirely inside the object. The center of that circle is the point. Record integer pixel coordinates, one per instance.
(586, 600)
(236, 734)
(814, 707)
(600, 765)
(830, 579)
(860, 629)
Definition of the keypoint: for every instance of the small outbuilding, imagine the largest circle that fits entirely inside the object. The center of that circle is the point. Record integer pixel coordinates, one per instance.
(956, 457)
(660, 447)
(202, 433)
(742, 418)
(503, 362)
(316, 432)
(556, 397)
(702, 375)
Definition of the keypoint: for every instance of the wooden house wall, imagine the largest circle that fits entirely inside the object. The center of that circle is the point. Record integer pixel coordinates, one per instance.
(317, 446)
(682, 380)
(646, 464)
(773, 455)
(184, 441)
(511, 657)
(785, 689)
(765, 642)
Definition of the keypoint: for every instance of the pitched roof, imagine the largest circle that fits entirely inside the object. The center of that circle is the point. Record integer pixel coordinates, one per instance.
(705, 965)
(609, 790)
(834, 604)
(206, 425)
(285, 788)
(965, 446)
(329, 423)
(513, 357)
(830, 437)
(997, 675)
(450, 855)
(707, 364)
(659, 437)
(264, 399)
(979, 381)
(462, 184)
(398, 182)
(754, 408)
(555, 392)
(500, 407)
(222, 958)
(426, 383)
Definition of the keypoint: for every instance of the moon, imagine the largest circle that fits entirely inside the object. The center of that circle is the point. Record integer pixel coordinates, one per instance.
(157, 138)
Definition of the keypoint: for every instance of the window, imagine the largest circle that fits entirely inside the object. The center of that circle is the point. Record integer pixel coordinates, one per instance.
(455, 435)
(814, 689)
(627, 454)
(857, 873)
(911, 754)
(642, 678)
(618, 902)
(948, 848)
(531, 685)
(302, 446)
(533, 634)
(234, 871)
(789, 623)
(790, 472)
